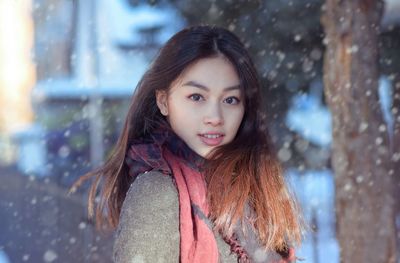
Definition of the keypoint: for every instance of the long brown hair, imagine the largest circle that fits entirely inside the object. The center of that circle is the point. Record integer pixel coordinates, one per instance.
(244, 171)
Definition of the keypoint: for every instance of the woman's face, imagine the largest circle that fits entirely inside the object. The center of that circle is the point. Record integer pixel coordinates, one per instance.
(205, 105)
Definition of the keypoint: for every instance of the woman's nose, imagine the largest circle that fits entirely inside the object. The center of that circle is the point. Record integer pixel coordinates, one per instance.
(214, 115)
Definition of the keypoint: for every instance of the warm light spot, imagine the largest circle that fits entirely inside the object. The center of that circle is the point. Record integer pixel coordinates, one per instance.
(17, 73)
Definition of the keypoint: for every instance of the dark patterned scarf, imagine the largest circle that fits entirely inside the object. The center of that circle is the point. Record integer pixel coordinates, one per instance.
(146, 154)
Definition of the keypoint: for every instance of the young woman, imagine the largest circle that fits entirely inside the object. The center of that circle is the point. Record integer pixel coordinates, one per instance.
(193, 177)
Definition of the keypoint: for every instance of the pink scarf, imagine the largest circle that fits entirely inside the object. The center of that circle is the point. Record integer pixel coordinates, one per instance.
(197, 243)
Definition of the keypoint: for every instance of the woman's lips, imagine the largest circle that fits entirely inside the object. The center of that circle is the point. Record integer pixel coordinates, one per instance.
(208, 140)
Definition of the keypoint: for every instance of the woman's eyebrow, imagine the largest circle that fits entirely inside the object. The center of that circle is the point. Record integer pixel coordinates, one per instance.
(203, 87)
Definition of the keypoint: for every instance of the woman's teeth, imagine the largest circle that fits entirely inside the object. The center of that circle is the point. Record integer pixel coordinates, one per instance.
(213, 136)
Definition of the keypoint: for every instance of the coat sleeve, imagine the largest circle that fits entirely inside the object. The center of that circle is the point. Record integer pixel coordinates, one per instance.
(148, 229)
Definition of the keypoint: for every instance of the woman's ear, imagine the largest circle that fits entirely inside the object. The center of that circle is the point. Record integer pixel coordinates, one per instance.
(162, 101)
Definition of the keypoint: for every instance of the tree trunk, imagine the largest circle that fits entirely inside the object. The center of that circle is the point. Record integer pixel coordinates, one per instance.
(396, 148)
(361, 156)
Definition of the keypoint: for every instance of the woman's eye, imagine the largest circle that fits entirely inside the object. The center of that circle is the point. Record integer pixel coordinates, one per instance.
(232, 100)
(195, 97)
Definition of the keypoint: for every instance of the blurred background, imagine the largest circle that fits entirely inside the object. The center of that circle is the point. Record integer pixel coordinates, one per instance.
(68, 69)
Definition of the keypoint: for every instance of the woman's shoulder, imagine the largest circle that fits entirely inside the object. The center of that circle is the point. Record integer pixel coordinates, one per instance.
(148, 229)
(151, 187)
(153, 180)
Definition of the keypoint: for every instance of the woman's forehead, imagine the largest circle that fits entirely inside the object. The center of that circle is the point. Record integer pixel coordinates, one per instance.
(208, 73)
